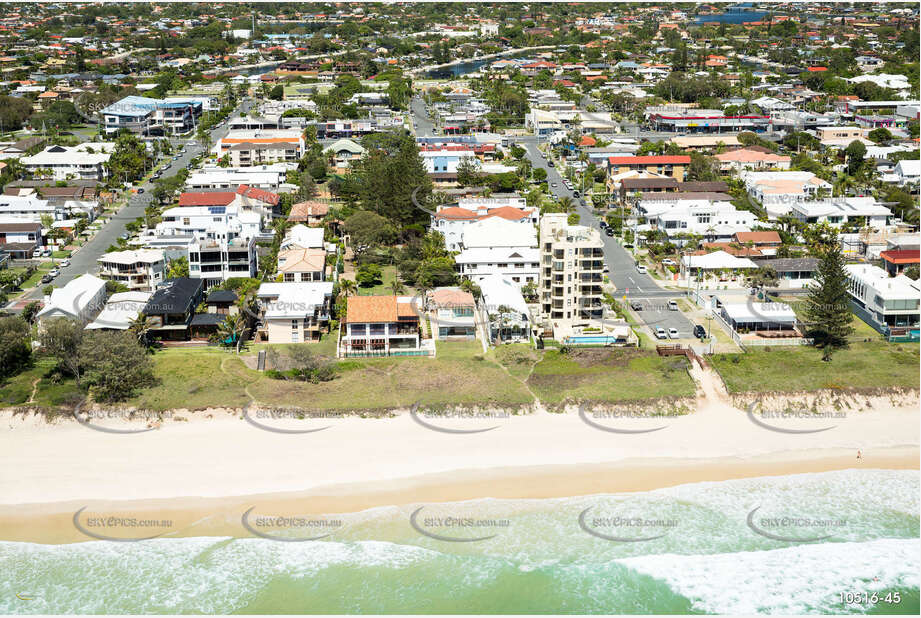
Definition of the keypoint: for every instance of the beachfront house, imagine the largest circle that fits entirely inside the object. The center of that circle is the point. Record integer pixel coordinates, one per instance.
(383, 326)
(452, 313)
(81, 299)
(293, 312)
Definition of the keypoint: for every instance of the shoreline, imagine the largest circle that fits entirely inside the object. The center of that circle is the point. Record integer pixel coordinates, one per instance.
(53, 523)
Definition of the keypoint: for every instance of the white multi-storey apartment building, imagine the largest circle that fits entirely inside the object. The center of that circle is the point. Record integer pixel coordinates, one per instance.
(572, 265)
(254, 148)
(714, 220)
(223, 241)
(497, 246)
(261, 177)
(84, 162)
(778, 191)
(840, 210)
(141, 269)
(453, 220)
(890, 302)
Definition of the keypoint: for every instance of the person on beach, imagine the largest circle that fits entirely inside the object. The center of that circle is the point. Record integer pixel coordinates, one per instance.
(859, 457)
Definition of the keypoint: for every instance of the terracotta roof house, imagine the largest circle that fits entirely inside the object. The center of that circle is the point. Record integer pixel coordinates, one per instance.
(382, 326)
(749, 159)
(215, 198)
(302, 264)
(898, 260)
(310, 212)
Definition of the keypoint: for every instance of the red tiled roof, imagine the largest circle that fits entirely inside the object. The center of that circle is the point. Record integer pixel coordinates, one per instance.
(455, 213)
(902, 256)
(758, 237)
(216, 198)
(371, 309)
(653, 160)
(258, 194)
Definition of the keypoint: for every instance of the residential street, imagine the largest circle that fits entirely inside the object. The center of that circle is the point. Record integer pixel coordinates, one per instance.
(84, 260)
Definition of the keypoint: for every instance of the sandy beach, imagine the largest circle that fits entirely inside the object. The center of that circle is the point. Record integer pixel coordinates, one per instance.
(208, 465)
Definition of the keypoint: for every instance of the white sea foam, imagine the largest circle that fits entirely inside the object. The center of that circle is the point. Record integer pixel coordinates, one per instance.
(791, 580)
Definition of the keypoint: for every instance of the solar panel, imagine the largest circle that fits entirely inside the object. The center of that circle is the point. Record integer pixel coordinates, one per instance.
(217, 210)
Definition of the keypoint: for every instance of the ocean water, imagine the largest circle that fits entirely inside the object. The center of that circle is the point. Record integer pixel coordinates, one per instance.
(686, 549)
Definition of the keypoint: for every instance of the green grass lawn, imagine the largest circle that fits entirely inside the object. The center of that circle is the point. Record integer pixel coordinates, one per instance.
(48, 392)
(617, 375)
(192, 378)
(873, 364)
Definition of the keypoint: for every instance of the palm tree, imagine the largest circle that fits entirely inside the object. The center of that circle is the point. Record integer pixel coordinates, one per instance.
(232, 328)
(347, 287)
(141, 327)
(566, 203)
(396, 286)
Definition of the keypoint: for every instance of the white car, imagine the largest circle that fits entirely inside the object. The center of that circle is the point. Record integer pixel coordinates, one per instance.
(668, 262)
(660, 333)
(65, 262)
(672, 333)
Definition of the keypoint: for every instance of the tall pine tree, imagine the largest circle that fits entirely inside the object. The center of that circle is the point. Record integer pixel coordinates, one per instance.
(827, 306)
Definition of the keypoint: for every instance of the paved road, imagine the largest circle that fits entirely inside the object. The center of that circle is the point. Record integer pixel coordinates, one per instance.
(84, 260)
(621, 264)
(422, 122)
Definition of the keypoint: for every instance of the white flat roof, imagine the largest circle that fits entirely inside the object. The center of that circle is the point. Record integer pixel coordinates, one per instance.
(120, 310)
(760, 312)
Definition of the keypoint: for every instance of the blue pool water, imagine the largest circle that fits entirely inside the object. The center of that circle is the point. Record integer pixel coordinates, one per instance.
(591, 339)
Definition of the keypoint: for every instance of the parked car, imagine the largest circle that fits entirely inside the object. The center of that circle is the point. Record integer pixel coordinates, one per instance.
(551, 164)
(660, 333)
(641, 269)
(37, 253)
(609, 231)
(699, 331)
(47, 278)
(553, 184)
(65, 262)
(636, 305)
(602, 224)
(672, 333)
(140, 189)
(54, 272)
(46, 253)
(576, 193)
(668, 262)
(673, 305)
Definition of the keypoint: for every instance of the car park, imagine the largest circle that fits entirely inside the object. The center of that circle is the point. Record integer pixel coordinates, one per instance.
(699, 331)
(660, 333)
(673, 333)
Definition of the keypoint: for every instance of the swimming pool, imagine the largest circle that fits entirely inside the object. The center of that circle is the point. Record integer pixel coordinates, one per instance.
(590, 340)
